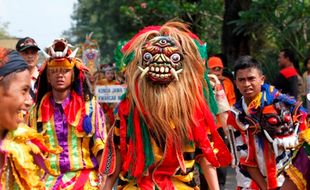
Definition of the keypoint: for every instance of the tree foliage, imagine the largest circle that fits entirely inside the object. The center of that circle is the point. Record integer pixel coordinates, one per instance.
(257, 27)
(113, 21)
(3, 29)
(273, 25)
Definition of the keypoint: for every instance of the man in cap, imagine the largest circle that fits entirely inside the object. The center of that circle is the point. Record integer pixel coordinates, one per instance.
(216, 67)
(29, 50)
(221, 84)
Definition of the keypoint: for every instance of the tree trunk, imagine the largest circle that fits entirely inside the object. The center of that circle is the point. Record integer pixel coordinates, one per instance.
(234, 45)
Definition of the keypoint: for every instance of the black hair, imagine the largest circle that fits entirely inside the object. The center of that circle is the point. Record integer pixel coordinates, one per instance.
(306, 62)
(288, 53)
(245, 62)
(77, 87)
(7, 79)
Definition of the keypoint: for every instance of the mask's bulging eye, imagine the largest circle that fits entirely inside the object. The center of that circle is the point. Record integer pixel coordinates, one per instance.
(147, 56)
(287, 118)
(163, 42)
(175, 57)
(272, 121)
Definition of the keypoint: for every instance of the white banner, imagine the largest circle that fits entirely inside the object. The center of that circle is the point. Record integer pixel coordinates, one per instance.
(110, 93)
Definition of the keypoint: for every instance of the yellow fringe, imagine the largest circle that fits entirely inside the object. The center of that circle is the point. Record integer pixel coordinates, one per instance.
(296, 177)
(306, 135)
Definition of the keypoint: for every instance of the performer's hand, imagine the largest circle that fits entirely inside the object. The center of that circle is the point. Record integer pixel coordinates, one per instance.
(213, 80)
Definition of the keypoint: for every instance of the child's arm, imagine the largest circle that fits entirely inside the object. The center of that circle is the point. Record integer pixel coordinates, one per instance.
(110, 180)
(209, 173)
(288, 185)
(257, 177)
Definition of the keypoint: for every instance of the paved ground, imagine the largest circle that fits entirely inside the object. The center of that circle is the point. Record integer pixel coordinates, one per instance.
(231, 179)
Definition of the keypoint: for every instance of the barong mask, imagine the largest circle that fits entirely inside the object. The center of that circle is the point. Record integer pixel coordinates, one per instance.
(60, 54)
(90, 51)
(61, 57)
(91, 59)
(161, 60)
(280, 126)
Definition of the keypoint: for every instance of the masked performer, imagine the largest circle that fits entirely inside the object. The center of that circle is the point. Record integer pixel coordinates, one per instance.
(91, 59)
(267, 124)
(68, 116)
(21, 148)
(163, 123)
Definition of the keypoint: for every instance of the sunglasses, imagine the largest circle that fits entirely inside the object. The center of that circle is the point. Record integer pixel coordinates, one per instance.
(216, 68)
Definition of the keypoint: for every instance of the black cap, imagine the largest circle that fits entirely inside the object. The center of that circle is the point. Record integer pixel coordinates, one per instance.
(26, 43)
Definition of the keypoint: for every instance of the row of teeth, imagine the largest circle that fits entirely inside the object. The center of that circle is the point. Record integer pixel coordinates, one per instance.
(160, 69)
(291, 141)
(21, 112)
(173, 72)
(160, 75)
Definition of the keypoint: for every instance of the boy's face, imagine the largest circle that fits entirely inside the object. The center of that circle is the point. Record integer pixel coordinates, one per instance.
(249, 82)
(60, 78)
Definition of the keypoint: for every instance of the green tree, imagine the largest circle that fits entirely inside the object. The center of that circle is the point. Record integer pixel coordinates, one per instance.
(3, 29)
(273, 25)
(256, 27)
(101, 17)
(234, 43)
(113, 21)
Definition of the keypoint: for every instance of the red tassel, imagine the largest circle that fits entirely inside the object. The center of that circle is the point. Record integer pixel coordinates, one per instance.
(123, 113)
(128, 157)
(222, 156)
(138, 165)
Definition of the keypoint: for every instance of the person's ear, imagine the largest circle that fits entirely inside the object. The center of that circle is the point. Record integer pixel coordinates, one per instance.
(263, 79)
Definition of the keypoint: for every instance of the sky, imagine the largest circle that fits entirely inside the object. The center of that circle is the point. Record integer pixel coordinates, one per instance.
(43, 20)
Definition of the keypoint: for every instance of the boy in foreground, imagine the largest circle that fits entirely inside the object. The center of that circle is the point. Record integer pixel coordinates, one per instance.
(267, 124)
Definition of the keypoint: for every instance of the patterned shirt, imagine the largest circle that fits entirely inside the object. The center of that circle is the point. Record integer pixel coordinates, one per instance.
(79, 149)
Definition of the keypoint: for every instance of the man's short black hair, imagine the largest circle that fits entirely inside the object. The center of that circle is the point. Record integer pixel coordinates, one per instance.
(306, 62)
(289, 54)
(245, 62)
